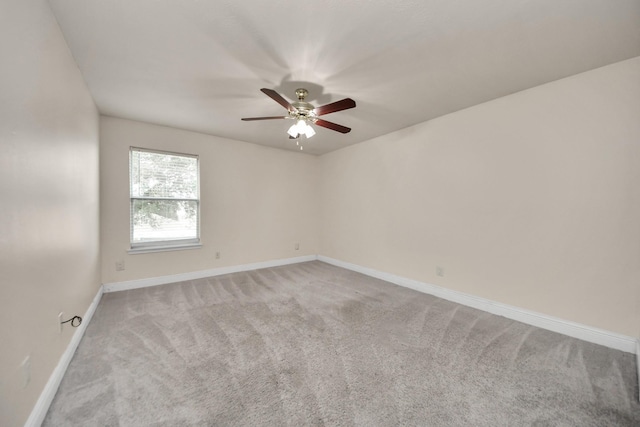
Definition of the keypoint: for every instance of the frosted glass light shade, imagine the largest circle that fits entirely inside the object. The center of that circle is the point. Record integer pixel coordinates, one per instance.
(309, 132)
(293, 131)
(301, 128)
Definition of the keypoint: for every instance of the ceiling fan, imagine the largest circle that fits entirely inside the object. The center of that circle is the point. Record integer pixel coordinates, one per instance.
(304, 113)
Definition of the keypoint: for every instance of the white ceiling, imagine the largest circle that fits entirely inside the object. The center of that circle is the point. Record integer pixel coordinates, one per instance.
(200, 64)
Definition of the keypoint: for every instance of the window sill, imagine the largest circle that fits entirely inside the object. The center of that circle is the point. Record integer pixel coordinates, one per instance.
(166, 248)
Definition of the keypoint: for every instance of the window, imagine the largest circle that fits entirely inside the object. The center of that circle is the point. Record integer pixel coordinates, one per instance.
(165, 201)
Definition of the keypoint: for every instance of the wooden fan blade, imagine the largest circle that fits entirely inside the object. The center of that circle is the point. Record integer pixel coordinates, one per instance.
(344, 104)
(279, 99)
(248, 119)
(333, 126)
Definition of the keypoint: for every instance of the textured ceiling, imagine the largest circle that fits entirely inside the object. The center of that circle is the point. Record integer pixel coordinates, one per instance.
(199, 65)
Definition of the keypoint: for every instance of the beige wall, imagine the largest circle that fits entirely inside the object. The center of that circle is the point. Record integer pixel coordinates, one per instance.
(256, 202)
(530, 200)
(49, 213)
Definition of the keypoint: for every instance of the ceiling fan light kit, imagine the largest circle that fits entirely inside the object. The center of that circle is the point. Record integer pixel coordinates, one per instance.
(306, 114)
(301, 128)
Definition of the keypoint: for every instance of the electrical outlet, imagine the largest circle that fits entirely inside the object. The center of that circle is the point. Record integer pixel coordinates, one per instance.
(119, 265)
(217, 255)
(25, 367)
(297, 246)
(60, 317)
(439, 271)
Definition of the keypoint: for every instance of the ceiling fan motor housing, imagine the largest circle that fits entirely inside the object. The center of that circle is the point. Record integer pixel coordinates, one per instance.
(304, 109)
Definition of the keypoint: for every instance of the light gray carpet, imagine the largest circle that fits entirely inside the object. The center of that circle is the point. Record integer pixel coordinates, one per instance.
(313, 344)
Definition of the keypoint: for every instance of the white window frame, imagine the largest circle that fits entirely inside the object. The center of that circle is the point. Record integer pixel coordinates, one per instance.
(163, 245)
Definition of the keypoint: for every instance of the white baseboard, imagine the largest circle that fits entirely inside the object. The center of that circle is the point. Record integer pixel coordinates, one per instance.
(163, 280)
(638, 365)
(39, 411)
(572, 329)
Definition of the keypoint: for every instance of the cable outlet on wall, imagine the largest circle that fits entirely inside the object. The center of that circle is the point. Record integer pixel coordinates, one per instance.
(439, 271)
(297, 246)
(120, 265)
(217, 255)
(60, 316)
